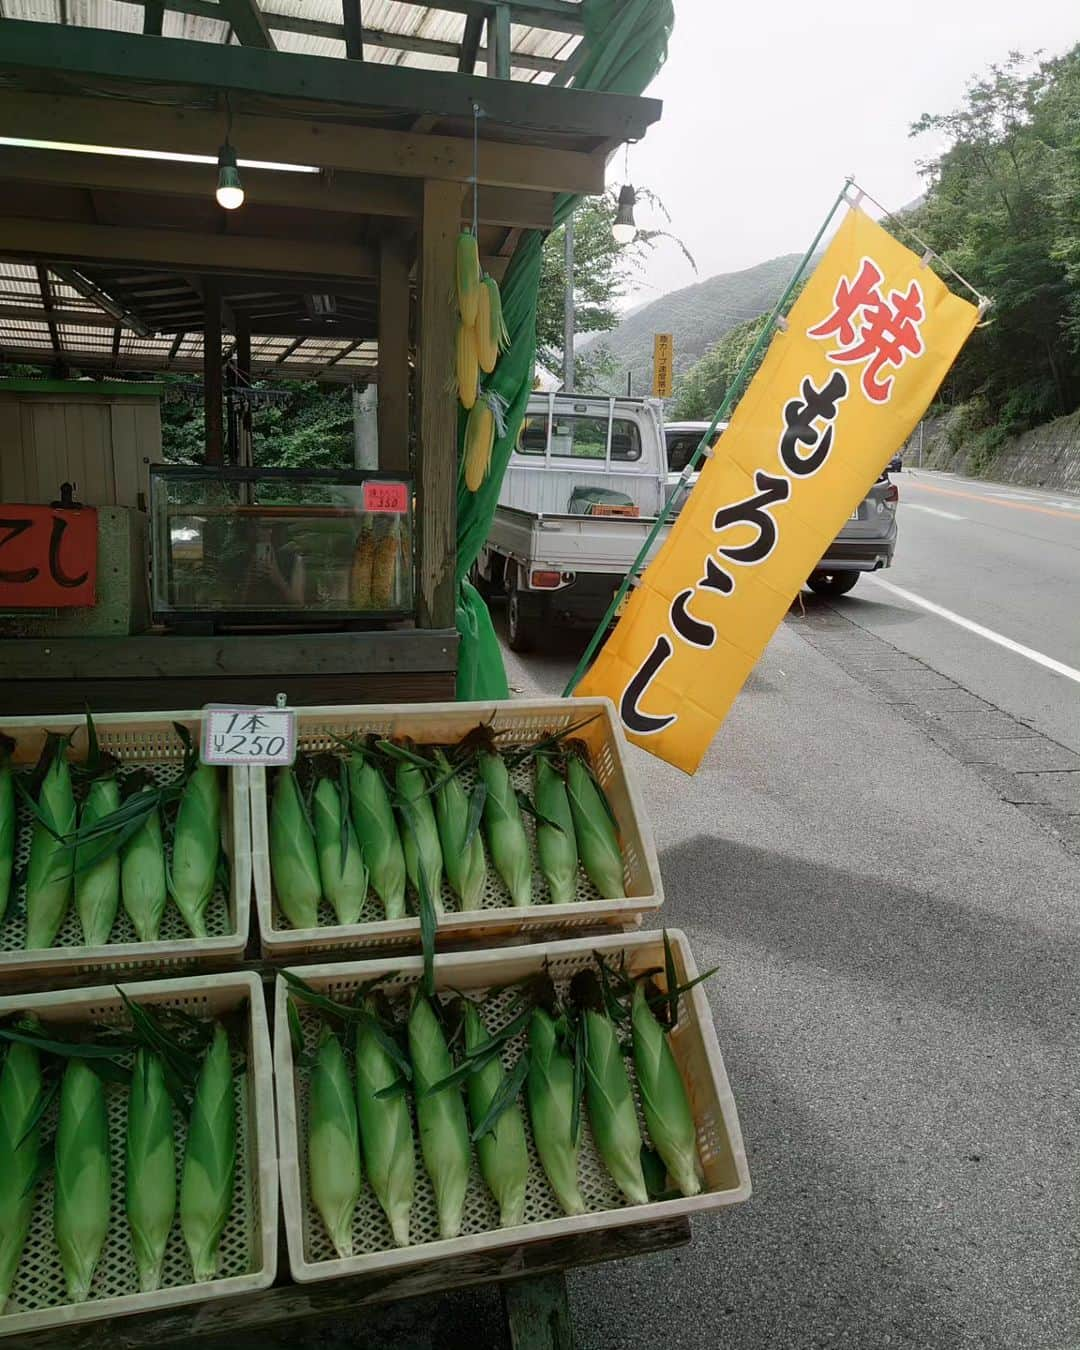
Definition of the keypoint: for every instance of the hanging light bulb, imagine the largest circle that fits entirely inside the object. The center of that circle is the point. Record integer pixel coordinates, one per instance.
(230, 191)
(623, 229)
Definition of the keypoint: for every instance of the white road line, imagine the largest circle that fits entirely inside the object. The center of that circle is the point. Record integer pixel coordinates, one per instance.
(933, 511)
(1040, 659)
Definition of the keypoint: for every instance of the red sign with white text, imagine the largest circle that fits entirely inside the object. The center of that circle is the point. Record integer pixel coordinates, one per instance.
(48, 557)
(391, 498)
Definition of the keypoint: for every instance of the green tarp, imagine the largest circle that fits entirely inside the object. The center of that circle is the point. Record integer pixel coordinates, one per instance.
(625, 44)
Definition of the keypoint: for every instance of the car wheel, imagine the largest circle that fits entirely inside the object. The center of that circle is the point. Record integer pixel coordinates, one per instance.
(832, 583)
(523, 621)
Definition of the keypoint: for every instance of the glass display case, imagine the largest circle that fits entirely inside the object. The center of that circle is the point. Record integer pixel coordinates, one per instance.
(288, 546)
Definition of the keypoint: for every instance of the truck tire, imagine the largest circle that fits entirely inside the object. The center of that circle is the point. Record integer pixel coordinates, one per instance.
(524, 618)
(832, 583)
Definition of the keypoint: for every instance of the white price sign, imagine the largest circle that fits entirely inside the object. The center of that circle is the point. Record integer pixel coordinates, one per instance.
(249, 735)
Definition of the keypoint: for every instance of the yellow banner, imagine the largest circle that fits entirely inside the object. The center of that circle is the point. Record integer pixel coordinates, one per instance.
(864, 349)
(663, 376)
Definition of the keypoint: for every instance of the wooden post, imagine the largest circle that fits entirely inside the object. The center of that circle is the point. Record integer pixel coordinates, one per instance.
(243, 379)
(212, 371)
(498, 42)
(393, 356)
(436, 460)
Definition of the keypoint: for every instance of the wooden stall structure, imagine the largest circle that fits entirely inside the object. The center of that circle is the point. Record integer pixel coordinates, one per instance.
(338, 266)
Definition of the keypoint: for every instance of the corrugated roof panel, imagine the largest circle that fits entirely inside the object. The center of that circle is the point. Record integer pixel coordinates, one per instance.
(121, 18)
(38, 11)
(193, 28)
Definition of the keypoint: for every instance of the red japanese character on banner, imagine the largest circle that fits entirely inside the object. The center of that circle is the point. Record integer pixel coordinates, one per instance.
(881, 332)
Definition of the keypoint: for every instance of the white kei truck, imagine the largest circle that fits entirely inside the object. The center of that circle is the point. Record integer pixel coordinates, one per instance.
(585, 483)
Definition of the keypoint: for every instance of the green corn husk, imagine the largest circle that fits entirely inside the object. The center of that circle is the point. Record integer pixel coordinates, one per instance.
(294, 860)
(7, 823)
(377, 833)
(465, 865)
(143, 887)
(557, 847)
(206, 1188)
(549, 1090)
(419, 833)
(597, 842)
(344, 881)
(97, 887)
(197, 847)
(444, 1131)
(611, 1107)
(150, 1177)
(664, 1098)
(82, 1178)
(49, 873)
(333, 1143)
(20, 1147)
(385, 1130)
(502, 1152)
(505, 831)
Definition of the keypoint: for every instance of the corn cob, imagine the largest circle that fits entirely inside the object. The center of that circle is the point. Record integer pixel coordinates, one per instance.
(465, 866)
(20, 1146)
(143, 885)
(468, 277)
(97, 886)
(151, 1167)
(196, 847)
(333, 1143)
(611, 1107)
(377, 834)
(344, 878)
(597, 841)
(502, 1152)
(419, 833)
(556, 843)
(664, 1099)
(386, 1131)
(49, 873)
(206, 1187)
(294, 860)
(467, 364)
(384, 568)
(7, 825)
(362, 566)
(82, 1183)
(444, 1132)
(491, 335)
(505, 832)
(549, 1090)
(479, 443)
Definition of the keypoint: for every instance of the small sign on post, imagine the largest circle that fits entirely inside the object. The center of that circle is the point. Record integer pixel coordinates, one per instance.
(663, 377)
(249, 735)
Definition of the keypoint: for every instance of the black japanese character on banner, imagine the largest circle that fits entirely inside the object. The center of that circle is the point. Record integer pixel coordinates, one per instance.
(754, 511)
(695, 631)
(14, 528)
(61, 578)
(632, 717)
(799, 418)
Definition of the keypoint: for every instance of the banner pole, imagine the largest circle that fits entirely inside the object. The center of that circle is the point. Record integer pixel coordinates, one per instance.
(734, 389)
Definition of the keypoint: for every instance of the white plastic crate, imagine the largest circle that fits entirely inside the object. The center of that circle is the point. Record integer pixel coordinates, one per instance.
(145, 741)
(248, 1252)
(515, 722)
(693, 1041)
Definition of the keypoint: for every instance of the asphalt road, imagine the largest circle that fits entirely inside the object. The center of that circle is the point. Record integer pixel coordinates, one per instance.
(1004, 558)
(897, 1001)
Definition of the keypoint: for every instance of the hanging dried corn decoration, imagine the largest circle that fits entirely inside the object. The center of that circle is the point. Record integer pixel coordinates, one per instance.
(491, 335)
(486, 421)
(468, 365)
(468, 277)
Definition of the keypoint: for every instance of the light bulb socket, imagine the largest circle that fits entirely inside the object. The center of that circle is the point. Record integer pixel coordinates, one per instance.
(230, 190)
(623, 227)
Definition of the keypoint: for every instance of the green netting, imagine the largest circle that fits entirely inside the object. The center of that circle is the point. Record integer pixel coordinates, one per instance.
(626, 43)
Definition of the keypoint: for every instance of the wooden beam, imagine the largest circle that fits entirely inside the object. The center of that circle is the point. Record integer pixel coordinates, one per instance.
(175, 347)
(248, 22)
(436, 462)
(212, 394)
(42, 51)
(142, 361)
(118, 333)
(499, 42)
(349, 193)
(470, 43)
(153, 18)
(148, 126)
(353, 29)
(47, 304)
(79, 318)
(181, 250)
(393, 406)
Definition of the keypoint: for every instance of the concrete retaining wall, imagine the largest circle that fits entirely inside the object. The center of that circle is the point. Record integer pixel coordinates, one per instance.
(1045, 457)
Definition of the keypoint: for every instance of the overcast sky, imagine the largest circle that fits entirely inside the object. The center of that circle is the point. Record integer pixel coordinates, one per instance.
(770, 104)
